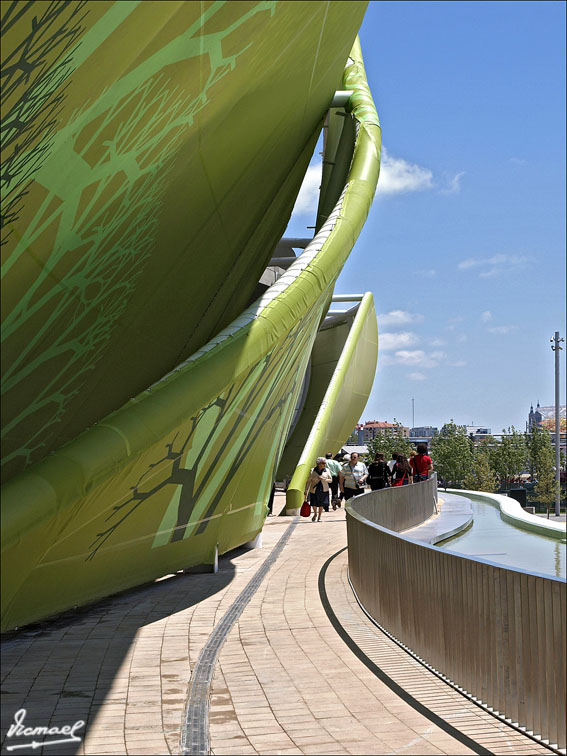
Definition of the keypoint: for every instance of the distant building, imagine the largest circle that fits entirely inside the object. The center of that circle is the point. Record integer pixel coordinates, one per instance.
(357, 436)
(423, 432)
(473, 431)
(535, 418)
(368, 431)
(544, 417)
(371, 428)
(477, 431)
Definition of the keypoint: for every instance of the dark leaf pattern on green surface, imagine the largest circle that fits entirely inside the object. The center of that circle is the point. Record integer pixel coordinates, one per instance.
(106, 221)
(33, 75)
(269, 398)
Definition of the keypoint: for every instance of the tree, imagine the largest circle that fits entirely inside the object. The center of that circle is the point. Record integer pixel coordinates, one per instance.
(389, 441)
(542, 459)
(538, 448)
(481, 477)
(489, 446)
(509, 458)
(546, 485)
(452, 455)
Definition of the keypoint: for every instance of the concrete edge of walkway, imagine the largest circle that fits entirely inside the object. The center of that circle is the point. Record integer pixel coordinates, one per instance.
(454, 517)
(511, 511)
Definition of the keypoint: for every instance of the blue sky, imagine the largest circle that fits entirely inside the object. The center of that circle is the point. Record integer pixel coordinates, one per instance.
(464, 248)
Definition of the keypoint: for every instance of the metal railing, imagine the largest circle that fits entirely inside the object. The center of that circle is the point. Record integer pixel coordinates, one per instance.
(496, 632)
(401, 507)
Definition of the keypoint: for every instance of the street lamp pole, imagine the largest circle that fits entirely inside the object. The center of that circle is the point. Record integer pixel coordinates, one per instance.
(556, 348)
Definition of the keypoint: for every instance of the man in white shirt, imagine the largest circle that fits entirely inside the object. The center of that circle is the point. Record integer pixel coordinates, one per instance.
(352, 477)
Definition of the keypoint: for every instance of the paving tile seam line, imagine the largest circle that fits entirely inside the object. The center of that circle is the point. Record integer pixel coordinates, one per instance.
(476, 701)
(194, 738)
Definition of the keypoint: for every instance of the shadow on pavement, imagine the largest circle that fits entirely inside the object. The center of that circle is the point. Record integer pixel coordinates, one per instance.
(62, 670)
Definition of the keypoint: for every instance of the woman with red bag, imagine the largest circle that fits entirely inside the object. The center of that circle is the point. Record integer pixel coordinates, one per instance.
(401, 471)
(317, 487)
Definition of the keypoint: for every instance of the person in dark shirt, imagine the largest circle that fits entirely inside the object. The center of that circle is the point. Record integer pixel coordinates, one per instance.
(378, 473)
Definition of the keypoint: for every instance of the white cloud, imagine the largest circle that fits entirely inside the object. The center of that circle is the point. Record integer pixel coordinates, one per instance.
(410, 357)
(308, 197)
(493, 266)
(388, 341)
(437, 342)
(397, 176)
(502, 330)
(418, 358)
(486, 316)
(457, 363)
(417, 376)
(462, 338)
(398, 318)
(453, 185)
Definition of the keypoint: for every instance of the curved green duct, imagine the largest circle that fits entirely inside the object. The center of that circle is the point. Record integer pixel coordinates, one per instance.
(344, 399)
(327, 349)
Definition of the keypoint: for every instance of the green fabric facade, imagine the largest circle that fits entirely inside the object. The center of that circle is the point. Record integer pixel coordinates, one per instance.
(152, 153)
(185, 466)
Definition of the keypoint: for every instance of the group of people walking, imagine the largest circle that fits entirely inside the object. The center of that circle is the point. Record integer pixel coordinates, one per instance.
(343, 481)
(400, 471)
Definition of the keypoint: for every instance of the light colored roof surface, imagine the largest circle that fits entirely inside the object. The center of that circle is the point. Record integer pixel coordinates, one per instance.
(357, 449)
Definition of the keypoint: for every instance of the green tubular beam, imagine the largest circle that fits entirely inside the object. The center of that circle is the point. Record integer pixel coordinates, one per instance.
(186, 467)
(363, 168)
(344, 400)
(337, 155)
(325, 355)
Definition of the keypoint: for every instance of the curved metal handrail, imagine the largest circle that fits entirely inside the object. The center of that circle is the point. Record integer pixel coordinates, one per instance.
(492, 630)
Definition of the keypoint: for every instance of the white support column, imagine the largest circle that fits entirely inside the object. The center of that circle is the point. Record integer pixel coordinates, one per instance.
(291, 512)
(341, 98)
(255, 543)
(201, 569)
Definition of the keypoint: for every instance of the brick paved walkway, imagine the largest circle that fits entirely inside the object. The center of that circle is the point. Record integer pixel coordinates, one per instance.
(302, 671)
